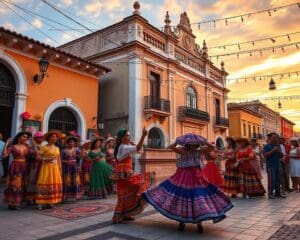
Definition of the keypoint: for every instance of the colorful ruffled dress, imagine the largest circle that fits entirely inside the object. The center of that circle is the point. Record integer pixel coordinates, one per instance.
(230, 185)
(110, 157)
(33, 169)
(130, 186)
(100, 183)
(86, 169)
(49, 182)
(187, 196)
(14, 193)
(249, 182)
(72, 189)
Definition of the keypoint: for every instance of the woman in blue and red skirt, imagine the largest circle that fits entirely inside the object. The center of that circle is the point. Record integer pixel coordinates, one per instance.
(187, 196)
(14, 193)
(72, 189)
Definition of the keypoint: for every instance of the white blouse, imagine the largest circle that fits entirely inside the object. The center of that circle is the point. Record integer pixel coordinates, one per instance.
(125, 150)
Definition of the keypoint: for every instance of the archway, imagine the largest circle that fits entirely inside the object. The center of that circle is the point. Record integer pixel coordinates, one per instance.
(63, 119)
(71, 111)
(156, 138)
(7, 100)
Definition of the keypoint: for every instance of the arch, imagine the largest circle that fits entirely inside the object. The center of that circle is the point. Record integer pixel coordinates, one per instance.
(67, 103)
(164, 137)
(21, 90)
(220, 143)
(191, 97)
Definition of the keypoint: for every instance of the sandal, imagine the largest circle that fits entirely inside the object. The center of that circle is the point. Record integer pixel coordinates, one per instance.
(200, 228)
(181, 227)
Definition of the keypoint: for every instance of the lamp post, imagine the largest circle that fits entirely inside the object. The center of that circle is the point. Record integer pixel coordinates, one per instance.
(43, 66)
(100, 124)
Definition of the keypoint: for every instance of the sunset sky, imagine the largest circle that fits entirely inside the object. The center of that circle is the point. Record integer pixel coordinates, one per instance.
(97, 14)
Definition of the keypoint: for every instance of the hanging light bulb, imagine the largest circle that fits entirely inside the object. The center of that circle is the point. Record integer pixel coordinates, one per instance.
(269, 12)
(226, 21)
(242, 19)
(279, 104)
(214, 24)
(199, 26)
(272, 84)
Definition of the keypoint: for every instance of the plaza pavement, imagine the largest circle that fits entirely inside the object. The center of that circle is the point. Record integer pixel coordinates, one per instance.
(258, 218)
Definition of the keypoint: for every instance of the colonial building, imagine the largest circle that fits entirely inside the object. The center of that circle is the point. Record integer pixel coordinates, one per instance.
(271, 121)
(160, 79)
(43, 88)
(287, 128)
(244, 122)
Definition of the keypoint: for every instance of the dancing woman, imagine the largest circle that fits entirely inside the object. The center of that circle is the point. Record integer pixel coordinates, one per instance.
(130, 186)
(187, 196)
(15, 186)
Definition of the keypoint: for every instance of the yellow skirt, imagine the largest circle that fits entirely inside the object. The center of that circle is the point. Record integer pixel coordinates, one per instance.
(49, 184)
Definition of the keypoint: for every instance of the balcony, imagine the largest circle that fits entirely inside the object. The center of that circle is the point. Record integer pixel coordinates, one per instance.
(156, 106)
(221, 123)
(193, 115)
(257, 135)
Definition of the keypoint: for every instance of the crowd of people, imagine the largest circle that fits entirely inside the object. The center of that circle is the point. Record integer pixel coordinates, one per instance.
(47, 169)
(245, 162)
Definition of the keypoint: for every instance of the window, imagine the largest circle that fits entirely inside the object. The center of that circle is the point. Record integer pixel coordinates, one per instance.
(191, 98)
(244, 129)
(254, 131)
(63, 119)
(155, 138)
(249, 131)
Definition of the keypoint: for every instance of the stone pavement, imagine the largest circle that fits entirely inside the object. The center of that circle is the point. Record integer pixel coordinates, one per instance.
(257, 218)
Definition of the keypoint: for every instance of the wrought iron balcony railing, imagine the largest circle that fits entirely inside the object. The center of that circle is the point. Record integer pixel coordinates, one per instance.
(187, 112)
(157, 104)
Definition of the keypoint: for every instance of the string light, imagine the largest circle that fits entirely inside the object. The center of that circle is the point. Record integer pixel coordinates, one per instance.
(272, 39)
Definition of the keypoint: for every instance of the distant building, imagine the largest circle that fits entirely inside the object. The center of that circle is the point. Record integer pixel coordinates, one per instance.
(65, 100)
(271, 121)
(244, 122)
(287, 126)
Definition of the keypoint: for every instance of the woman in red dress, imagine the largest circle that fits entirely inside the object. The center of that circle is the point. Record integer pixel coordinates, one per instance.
(211, 169)
(249, 183)
(130, 186)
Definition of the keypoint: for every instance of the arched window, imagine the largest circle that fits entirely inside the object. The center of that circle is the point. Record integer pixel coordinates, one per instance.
(191, 98)
(63, 119)
(155, 138)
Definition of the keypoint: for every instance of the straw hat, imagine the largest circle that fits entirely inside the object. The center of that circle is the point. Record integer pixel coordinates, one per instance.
(74, 138)
(86, 142)
(53, 132)
(110, 139)
(245, 140)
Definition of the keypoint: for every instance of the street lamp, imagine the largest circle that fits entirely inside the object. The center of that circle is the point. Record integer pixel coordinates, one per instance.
(43, 66)
(100, 123)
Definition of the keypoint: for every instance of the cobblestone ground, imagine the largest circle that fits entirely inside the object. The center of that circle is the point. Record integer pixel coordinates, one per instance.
(258, 218)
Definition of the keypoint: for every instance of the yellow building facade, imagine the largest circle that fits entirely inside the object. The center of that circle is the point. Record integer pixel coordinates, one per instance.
(244, 122)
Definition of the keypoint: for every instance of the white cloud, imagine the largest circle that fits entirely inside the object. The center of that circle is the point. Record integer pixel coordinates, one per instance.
(67, 2)
(37, 23)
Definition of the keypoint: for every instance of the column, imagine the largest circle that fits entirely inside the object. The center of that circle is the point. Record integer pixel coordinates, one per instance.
(135, 103)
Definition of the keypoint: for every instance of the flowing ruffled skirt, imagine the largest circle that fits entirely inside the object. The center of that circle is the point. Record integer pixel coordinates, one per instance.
(129, 192)
(188, 197)
(72, 189)
(14, 193)
(86, 169)
(231, 178)
(49, 184)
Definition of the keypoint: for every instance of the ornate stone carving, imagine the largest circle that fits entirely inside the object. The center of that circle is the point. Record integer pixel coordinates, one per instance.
(185, 22)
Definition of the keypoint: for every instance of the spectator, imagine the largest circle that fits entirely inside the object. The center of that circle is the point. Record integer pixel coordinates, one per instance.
(272, 153)
(295, 164)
